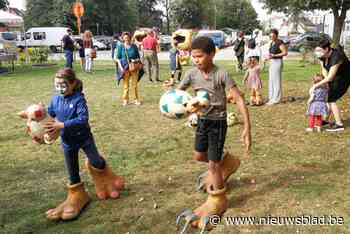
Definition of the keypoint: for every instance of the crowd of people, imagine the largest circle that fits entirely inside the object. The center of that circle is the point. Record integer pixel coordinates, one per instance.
(134, 58)
(70, 112)
(328, 87)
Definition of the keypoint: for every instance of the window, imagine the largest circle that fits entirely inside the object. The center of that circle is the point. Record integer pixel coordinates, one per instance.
(28, 35)
(39, 35)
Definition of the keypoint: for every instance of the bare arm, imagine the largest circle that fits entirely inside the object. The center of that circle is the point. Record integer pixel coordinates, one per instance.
(311, 98)
(236, 96)
(284, 52)
(329, 76)
(245, 76)
(323, 70)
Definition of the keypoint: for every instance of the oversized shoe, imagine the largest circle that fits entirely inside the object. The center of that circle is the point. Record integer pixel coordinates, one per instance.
(76, 200)
(259, 100)
(229, 165)
(107, 184)
(215, 205)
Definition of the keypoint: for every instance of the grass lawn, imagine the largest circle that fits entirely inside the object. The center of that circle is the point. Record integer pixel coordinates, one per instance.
(295, 173)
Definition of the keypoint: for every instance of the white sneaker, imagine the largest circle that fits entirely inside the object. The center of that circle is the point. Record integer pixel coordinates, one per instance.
(309, 129)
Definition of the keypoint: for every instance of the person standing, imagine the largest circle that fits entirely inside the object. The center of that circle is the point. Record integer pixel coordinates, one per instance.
(88, 45)
(238, 47)
(335, 67)
(277, 51)
(128, 53)
(150, 49)
(81, 51)
(68, 47)
(115, 45)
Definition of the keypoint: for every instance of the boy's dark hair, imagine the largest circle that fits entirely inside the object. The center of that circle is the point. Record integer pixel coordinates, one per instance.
(325, 43)
(205, 44)
(68, 75)
(274, 31)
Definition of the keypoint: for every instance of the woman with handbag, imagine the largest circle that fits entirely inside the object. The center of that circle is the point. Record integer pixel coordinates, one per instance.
(128, 59)
(88, 49)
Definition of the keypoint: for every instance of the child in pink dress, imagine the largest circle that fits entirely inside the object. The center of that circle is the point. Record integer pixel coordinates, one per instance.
(253, 81)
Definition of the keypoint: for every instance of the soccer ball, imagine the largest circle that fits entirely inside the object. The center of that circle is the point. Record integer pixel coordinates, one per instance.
(36, 112)
(231, 119)
(173, 103)
(203, 98)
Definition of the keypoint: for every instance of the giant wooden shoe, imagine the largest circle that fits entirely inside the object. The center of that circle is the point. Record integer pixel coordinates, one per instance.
(229, 165)
(76, 200)
(215, 205)
(107, 184)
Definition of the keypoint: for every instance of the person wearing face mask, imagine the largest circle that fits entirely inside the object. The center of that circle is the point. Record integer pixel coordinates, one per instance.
(71, 119)
(335, 68)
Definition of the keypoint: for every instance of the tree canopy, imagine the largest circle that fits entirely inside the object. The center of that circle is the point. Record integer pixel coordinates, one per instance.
(110, 16)
(3, 4)
(237, 14)
(338, 7)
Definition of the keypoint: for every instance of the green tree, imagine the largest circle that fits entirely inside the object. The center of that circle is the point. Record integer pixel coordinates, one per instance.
(167, 13)
(189, 13)
(338, 8)
(3, 4)
(215, 14)
(101, 16)
(49, 13)
(238, 14)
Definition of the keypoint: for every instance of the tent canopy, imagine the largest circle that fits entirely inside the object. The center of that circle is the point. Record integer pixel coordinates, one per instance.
(10, 20)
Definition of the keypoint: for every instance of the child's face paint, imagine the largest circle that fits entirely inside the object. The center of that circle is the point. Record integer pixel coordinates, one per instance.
(62, 87)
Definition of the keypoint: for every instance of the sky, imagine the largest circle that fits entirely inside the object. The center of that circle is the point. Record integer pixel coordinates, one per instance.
(20, 4)
(262, 13)
(258, 6)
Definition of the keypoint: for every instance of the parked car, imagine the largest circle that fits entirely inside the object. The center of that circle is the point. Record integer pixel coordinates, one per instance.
(8, 42)
(307, 40)
(107, 40)
(165, 42)
(232, 33)
(99, 45)
(217, 36)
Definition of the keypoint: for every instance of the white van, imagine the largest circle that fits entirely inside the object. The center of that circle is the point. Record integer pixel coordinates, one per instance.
(44, 36)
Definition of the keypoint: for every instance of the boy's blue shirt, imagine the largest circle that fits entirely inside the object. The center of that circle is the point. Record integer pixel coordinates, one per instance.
(73, 112)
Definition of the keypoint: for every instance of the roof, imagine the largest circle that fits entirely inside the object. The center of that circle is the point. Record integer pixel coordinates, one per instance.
(10, 19)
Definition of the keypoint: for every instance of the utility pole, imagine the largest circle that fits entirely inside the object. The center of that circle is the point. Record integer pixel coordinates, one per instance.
(215, 9)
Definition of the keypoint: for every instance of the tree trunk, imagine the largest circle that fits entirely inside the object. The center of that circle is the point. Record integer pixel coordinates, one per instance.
(167, 7)
(338, 25)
